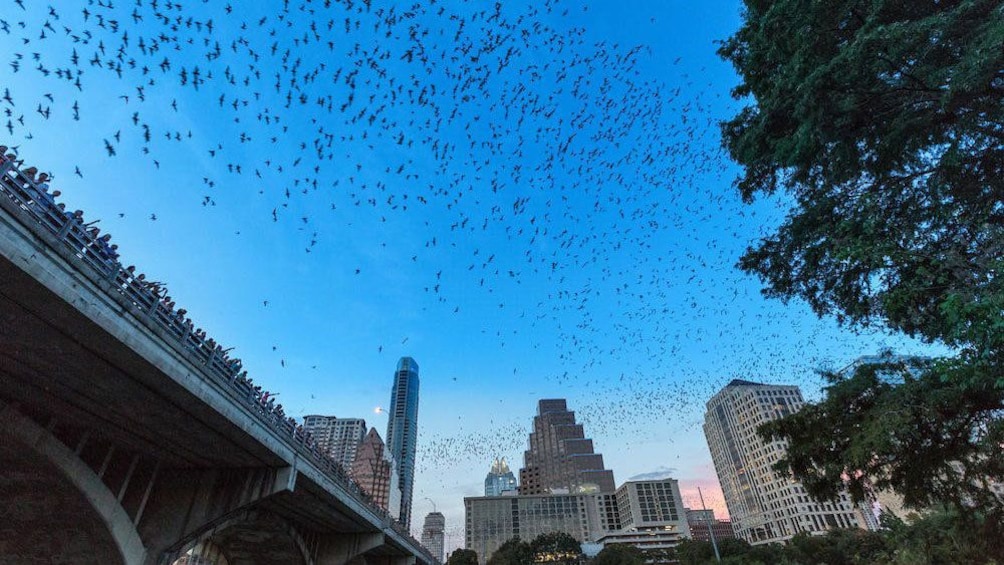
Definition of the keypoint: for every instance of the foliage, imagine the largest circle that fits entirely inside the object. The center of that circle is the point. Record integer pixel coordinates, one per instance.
(898, 425)
(619, 554)
(883, 121)
(463, 557)
(555, 547)
(944, 535)
(939, 537)
(513, 552)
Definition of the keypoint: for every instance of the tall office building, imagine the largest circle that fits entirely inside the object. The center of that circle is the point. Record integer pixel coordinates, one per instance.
(764, 507)
(500, 479)
(337, 437)
(375, 471)
(402, 431)
(434, 534)
(560, 458)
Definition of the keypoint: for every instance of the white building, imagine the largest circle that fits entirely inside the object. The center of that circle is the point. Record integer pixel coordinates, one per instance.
(434, 534)
(651, 515)
(764, 507)
(646, 514)
(339, 438)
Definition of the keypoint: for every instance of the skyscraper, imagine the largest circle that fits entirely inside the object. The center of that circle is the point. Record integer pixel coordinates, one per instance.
(375, 471)
(764, 506)
(500, 479)
(560, 458)
(434, 534)
(337, 437)
(402, 430)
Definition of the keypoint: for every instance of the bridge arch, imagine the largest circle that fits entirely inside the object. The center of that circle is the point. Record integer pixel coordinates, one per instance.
(58, 508)
(246, 537)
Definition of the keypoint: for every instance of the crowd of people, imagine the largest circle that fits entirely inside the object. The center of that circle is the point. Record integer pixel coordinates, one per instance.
(29, 189)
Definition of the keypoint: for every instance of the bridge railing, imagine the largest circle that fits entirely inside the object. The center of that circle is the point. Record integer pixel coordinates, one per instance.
(38, 211)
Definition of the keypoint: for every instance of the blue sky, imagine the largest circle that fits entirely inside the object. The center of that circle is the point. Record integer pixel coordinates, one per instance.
(538, 209)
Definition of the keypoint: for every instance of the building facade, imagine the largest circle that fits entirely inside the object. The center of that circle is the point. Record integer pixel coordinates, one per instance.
(646, 514)
(375, 471)
(651, 515)
(764, 507)
(491, 521)
(500, 479)
(560, 459)
(434, 534)
(339, 438)
(402, 431)
(703, 524)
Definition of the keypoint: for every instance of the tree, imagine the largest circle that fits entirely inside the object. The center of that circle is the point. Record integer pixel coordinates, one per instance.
(694, 552)
(942, 535)
(555, 546)
(883, 121)
(619, 554)
(732, 550)
(513, 552)
(837, 547)
(896, 425)
(463, 557)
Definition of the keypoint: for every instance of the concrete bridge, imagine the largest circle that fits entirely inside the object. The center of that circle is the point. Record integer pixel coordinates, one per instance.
(125, 439)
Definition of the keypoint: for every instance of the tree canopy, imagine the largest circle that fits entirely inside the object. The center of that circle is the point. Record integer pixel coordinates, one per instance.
(882, 122)
(555, 547)
(619, 554)
(463, 557)
(939, 537)
(513, 552)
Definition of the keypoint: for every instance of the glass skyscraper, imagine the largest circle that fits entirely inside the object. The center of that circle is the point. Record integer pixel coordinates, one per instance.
(500, 479)
(402, 430)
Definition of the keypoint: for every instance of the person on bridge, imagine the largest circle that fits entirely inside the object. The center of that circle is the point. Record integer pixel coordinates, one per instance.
(6, 161)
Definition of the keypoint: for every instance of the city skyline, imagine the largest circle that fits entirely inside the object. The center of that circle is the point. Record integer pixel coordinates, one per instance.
(636, 315)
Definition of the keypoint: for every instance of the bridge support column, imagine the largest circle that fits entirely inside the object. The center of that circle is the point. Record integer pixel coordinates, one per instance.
(343, 549)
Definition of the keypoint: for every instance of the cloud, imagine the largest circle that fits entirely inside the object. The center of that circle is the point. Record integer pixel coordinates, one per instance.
(660, 472)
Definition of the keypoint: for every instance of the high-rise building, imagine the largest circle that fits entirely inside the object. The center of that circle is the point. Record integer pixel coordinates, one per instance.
(560, 458)
(500, 479)
(337, 437)
(434, 534)
(375, 471)
(764, 506)
(402, 431)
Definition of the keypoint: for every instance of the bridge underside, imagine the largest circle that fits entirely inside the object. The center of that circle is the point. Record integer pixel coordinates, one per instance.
(46, 515)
